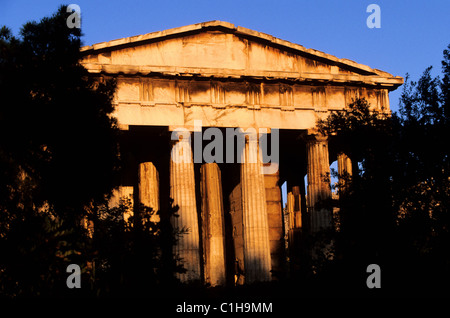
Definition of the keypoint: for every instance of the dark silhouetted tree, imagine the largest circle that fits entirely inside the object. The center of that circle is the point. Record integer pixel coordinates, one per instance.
(59, 162)
(395, 208)
(58, 153)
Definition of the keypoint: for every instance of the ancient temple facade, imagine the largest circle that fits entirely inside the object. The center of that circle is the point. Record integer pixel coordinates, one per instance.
(256, 100)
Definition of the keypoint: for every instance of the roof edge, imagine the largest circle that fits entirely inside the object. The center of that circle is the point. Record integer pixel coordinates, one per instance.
(157, 34)
(238, 30)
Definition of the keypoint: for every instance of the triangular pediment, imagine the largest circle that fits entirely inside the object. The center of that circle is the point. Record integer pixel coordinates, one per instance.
(220, 49)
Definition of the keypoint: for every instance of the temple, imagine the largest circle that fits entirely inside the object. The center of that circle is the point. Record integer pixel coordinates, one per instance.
(180, 89)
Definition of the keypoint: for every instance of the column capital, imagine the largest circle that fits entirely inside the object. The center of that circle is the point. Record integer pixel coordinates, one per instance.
(315, 137)
(180, 135)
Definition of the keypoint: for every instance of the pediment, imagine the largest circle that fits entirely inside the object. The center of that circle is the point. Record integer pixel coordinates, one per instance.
(219, 49)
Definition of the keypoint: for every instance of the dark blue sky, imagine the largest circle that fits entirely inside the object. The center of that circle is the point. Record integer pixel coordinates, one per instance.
(412, 36)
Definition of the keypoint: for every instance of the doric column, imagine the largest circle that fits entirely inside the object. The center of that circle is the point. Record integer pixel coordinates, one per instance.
(294, 203)
(344, 169)
(294, 208)
(149, 187)
(256, 230)
(290, 211)
(212, 225)
(123, 195)
(319, 190)
(182, 190)
(275, 223)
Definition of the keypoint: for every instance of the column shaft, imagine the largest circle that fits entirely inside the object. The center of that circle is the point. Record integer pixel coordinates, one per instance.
(182, 190)
(297, 207)
(290, 210)
(149, 187)
(275, 223)
(256, 230)
(213, 224)
(318, 184)
(344, 170)
(123, 195)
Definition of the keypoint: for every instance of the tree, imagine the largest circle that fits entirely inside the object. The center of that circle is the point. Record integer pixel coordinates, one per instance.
(394, 211)
(424, 200)
(59, 162)
(134, 257)
(366, 216)
(58, 152)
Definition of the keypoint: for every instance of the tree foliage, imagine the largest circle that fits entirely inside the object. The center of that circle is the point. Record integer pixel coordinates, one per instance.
(394, 210)
(59, 161)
